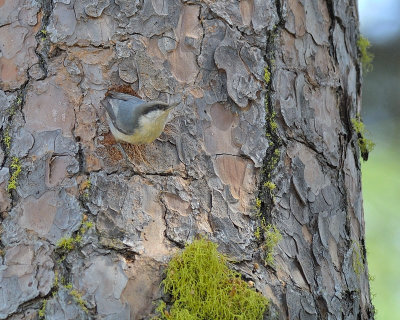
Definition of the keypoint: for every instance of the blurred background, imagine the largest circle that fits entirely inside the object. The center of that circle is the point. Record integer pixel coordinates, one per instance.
(380, 23)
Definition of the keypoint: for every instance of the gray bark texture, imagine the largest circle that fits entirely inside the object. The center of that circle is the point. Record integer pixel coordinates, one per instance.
(234, 135)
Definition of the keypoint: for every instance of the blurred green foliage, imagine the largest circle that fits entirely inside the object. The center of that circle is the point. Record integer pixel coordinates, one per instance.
(381, 177)
(381, 193)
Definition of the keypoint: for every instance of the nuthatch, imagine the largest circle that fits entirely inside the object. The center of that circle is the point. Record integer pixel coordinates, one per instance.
(133, 120)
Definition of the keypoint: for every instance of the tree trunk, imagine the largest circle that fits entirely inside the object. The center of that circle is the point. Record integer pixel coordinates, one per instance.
(261, 141)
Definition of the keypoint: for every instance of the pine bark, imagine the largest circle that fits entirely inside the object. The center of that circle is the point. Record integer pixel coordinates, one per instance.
(262, 136)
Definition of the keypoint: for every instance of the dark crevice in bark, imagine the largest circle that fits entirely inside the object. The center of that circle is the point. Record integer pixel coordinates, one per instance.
(63, 271)
(81, 159)
(242, 156)
(43, 43)
(322, 309)
(128, 255)
(275, 142)
(344, 110)
(164, 214)
(16, 106)
(309, 144)
(176, 243)
(86, 46)
(164, 174)
(278, 6)
(331, 11)
(272, 155)
(35, 304)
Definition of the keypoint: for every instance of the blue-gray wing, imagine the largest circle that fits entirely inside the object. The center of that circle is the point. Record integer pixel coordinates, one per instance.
(123, 110)
(124, 96)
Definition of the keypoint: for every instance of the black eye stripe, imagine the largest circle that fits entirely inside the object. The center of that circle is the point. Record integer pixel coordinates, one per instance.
(155, 108)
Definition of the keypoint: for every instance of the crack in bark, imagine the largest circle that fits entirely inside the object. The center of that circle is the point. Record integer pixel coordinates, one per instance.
(42, 54)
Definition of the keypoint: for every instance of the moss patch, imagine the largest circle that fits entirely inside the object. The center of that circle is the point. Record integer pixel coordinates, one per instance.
(43, 34)
(358, 258)
(42, 310)
(203, 287)
(77, 296)
(270, 185)
(258, 203)
(16, 105)
(56, 280)
(67, 244)
(16, 170)
(271, 238)
(366, 56)
(7, 139)
(365, 145)
(267, 75)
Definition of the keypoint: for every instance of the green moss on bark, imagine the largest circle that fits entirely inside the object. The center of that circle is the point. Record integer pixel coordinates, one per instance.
(203, 287)
(365, 145)
(16, 170)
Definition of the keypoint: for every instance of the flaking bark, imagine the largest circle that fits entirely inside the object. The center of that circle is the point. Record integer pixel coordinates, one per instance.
(262, 139)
